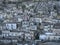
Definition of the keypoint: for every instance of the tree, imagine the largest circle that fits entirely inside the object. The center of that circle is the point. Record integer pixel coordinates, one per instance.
(36, 35)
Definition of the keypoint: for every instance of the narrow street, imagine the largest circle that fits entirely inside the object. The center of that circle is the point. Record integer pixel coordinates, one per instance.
(50, 43)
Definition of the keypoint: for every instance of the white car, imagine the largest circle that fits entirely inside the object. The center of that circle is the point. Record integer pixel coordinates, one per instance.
(42, 37)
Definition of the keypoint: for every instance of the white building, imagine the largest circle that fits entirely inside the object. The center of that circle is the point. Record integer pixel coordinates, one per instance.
(11, 26)
(38, 20)
(33, 27)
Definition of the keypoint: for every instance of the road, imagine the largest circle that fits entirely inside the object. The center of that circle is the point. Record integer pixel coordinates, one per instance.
(50, 43)
(38, 43)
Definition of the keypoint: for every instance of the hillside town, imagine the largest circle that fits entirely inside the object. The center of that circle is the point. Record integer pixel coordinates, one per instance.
(29, 22)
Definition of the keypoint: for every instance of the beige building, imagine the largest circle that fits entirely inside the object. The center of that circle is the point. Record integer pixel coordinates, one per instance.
(56, 28)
